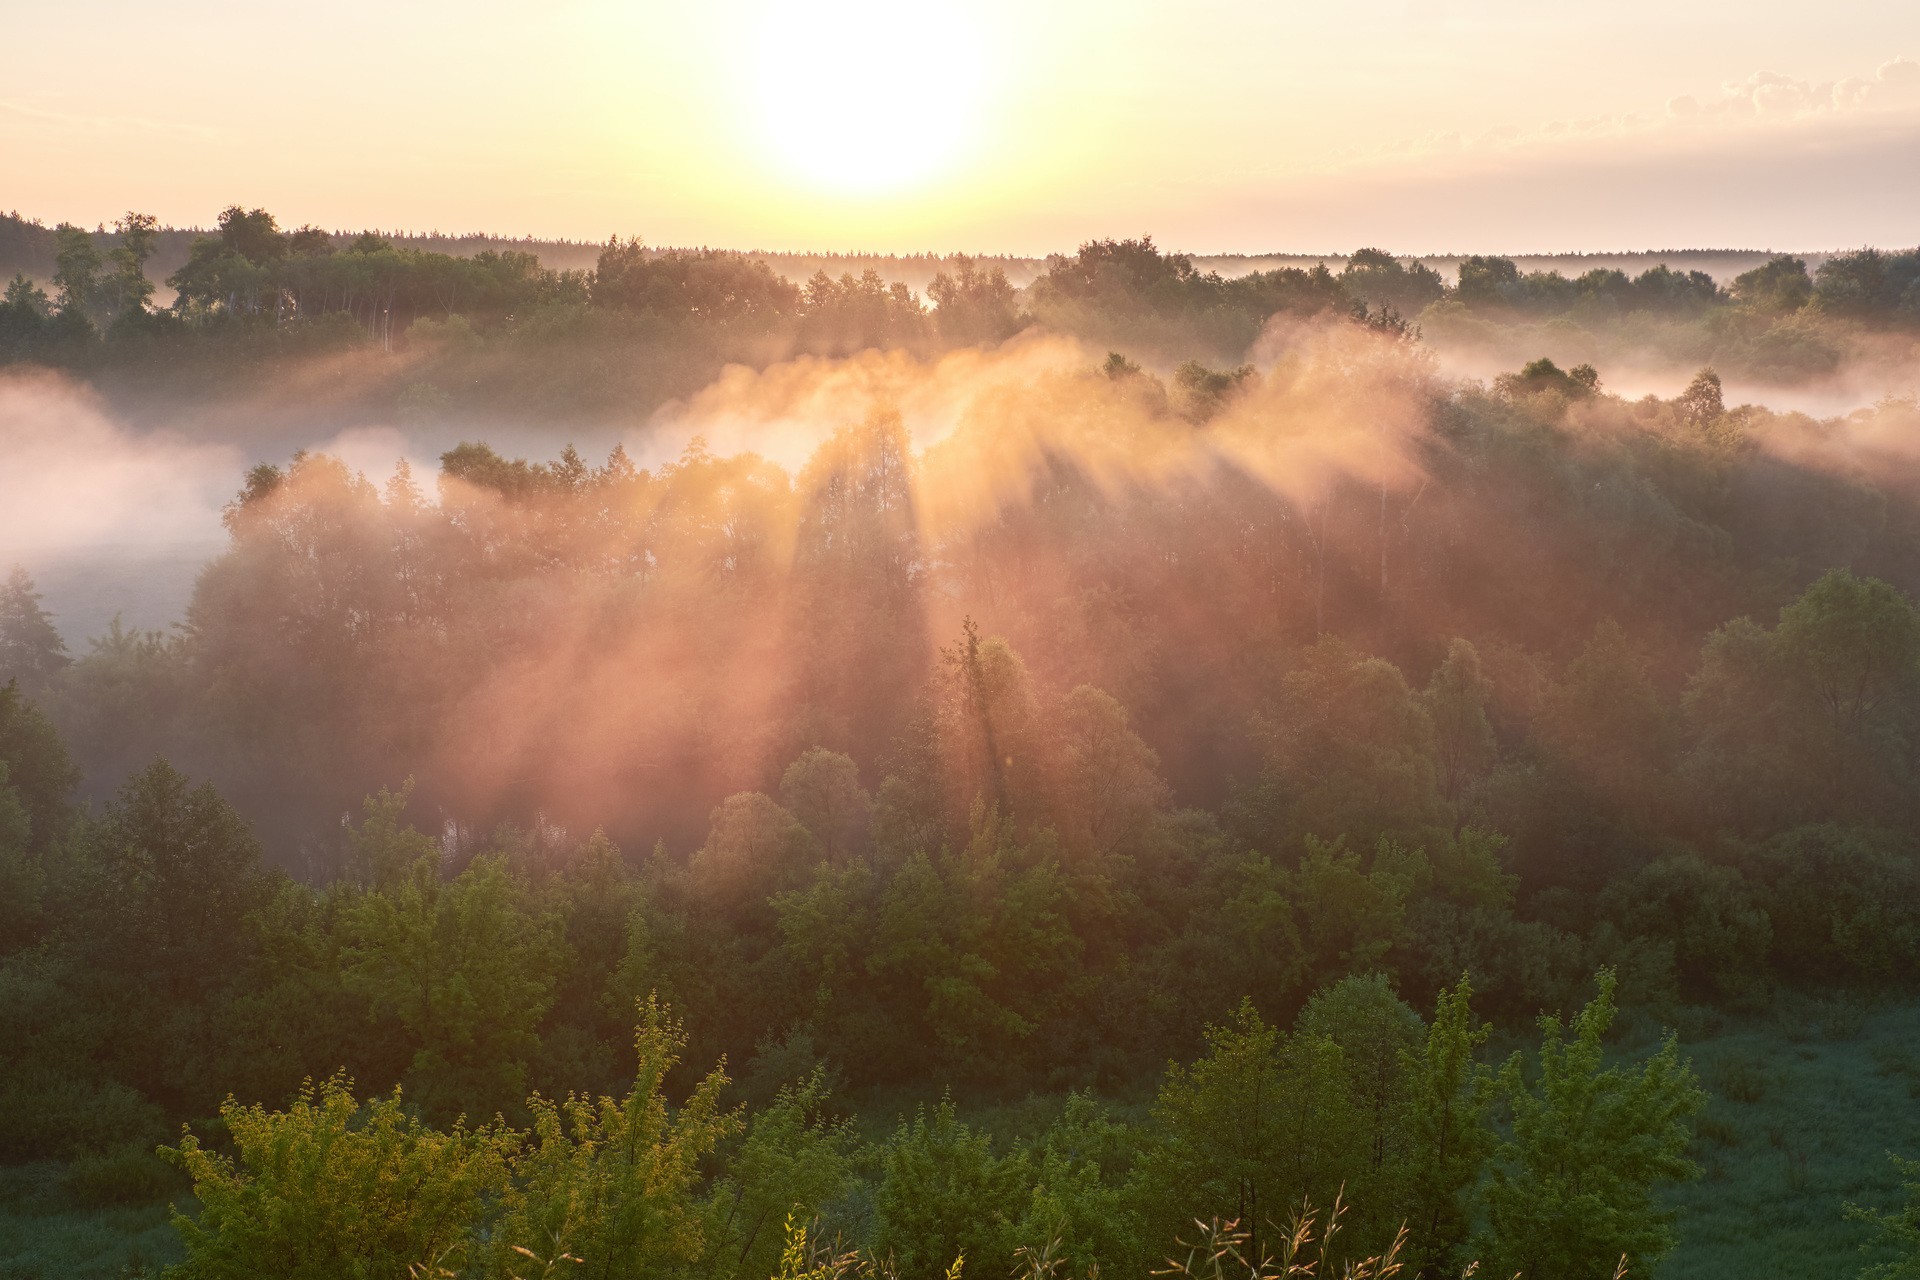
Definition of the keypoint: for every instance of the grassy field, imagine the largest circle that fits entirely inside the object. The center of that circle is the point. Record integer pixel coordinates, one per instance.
(1806, 1105)
(47, 1234)
(1807, 1102)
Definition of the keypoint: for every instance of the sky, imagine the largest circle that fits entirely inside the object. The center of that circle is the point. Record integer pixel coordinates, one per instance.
(997, 126)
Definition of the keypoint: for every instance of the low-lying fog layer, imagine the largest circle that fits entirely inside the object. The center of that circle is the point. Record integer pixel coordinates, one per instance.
(116, 520)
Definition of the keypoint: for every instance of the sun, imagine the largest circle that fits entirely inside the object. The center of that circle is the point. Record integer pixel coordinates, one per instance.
(869, 96)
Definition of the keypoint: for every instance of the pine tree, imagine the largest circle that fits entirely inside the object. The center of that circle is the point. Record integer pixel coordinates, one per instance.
(31, 650)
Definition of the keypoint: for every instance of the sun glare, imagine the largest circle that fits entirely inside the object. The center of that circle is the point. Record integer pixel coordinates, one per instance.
(869, 96)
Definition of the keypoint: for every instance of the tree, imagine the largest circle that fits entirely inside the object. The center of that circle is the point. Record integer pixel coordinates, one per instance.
(974, 305)
(822, 790)
(1456, 701)
(794, 1162)
(1709, 915)
(1782, 285)
(334, 1189)
(1607, 725)
(1353, 745)
(39, 770)
(1701, 404)
(22, 879)
(127, 289)
(467, 967)
(383, 848)
(1898, 1231)
(1374, 1031)
(1572, 1191)
(1080, 1203)
(1854, 643)
(31, 650)
(613, 1182)
(1448, 1139)
(754, 849)
(1810, 719)
(175, 876)
(76, 270)
(1110, 777)
(1258, 1123)
(944, 1196)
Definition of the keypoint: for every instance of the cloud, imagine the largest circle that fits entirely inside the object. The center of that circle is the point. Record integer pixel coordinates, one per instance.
(1765, 97)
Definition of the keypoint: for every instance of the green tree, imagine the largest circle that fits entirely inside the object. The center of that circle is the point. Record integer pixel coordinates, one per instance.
(39, 770)
(794, 1162)
(175, 875)
(1353, 746)
(975, 304)
(1456, 701)
(1260, 1121)
(822, 790)
(31, 650)
(1702, 404)
(944, 1196)
(1852, 644)
(614, 1182)
(1080, 1204)
(1110, 778)
(754, 848)
(1448, 1137)
(1709, 915)
(468, 967)
(125, 289)
(1607, 725)
(1572, 1190)
(382, 849)
(1782, 285)
(76, 270)
(22, 879)
(1374, 1031)
(1896, 1231)
(334, 1189)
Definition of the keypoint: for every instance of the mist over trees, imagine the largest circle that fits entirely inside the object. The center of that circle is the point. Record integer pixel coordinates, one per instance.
(1288, 777)
(494, 330)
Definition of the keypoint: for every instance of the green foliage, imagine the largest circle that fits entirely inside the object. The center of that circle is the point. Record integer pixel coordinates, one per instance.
(31, 650)
(1448, 1142)
(1572, 1191)
(822, 790)
(335, 1188)
(1897, 1230)
(1260, 1122)
(613, 1181)
(467, 967)
(794, 1162)
(1081, 1208)
(943, 1195)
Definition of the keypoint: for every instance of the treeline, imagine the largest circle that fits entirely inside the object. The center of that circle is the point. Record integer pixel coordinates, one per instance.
(497, 329)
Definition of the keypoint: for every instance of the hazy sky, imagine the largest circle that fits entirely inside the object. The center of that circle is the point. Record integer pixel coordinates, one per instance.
(992, 125)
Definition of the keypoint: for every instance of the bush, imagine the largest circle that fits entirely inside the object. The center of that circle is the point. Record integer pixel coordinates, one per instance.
(128, 1174)
(44, 1116)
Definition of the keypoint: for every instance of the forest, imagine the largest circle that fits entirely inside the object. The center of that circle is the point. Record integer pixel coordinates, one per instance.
(1220, 793)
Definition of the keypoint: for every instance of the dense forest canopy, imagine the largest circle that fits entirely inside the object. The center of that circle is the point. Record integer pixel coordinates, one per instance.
(1211, 730)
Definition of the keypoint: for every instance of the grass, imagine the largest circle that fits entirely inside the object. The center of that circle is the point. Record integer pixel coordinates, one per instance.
(48, 1234)
(1806, 1105)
